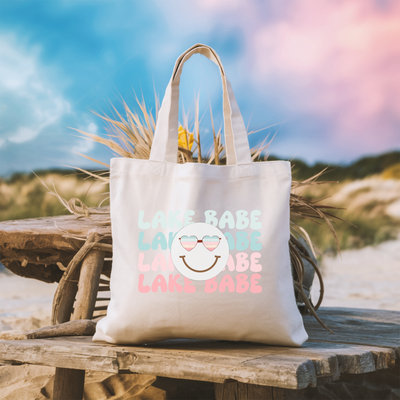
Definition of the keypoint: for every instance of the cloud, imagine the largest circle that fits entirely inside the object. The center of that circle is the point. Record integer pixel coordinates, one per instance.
(35, 114)
(83, 145)
(30, 102)
(329, 69)
(338, 61)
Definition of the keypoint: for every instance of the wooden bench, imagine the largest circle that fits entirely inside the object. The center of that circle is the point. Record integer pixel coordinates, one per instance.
(365, 341)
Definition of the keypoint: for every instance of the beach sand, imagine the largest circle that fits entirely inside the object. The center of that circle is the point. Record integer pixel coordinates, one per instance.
(365, 278)
(24, 303)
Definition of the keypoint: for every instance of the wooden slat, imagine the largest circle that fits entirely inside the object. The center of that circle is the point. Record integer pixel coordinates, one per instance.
(207, 361)
(96, 317)
(52, 229)
(314, 363)
(64, 353)
(32, 247)
(357, 326)
(100, 308)
(328, 361)
(293, 372)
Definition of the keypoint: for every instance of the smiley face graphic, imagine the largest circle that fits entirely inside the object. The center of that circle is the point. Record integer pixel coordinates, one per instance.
(199, 251)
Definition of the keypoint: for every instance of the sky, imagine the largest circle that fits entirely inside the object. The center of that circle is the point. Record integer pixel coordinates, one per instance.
(322, 75)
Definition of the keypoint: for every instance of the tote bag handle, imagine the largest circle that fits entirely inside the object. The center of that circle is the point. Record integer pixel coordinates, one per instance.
(165, 142)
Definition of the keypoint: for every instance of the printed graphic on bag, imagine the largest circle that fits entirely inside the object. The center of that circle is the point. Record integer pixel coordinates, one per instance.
(201, 252)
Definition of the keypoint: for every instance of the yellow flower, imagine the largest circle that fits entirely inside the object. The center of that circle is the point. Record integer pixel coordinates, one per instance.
(183, 138)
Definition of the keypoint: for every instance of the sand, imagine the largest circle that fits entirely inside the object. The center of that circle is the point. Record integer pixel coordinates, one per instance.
(24, 303)
(365, 278)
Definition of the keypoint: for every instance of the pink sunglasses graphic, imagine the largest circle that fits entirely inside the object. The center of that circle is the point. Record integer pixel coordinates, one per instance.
(209, 242)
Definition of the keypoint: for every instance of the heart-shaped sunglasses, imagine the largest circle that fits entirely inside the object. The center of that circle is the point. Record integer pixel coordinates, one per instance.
(209, 242)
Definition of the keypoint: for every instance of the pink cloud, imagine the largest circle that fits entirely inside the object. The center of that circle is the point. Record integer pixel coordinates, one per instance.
(336, 60)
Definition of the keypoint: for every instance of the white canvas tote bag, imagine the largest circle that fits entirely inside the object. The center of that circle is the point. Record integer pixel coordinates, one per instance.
(200, 251)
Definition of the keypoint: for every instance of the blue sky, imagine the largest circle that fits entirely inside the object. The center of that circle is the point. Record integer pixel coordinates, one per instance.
(325, 72)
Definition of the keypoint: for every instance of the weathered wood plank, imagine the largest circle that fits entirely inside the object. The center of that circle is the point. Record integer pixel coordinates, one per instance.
(333, 359)
(64, 353)
(208, 361)
(357, 326)
(291, 372)
(48, 273)
(330, 360)
(33, 247)
(80, 353)
(52, 230)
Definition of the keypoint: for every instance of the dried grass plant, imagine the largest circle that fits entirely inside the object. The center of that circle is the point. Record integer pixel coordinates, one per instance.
(131, 134)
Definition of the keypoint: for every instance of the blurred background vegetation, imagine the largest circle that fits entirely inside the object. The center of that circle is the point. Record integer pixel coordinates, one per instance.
(28, 195)
(369, 189)
(369, 192)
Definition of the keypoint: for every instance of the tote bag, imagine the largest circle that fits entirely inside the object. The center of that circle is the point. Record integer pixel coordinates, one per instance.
(200, 251)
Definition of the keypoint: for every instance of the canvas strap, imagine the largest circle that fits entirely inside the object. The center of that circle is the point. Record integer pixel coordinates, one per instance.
(165, 143)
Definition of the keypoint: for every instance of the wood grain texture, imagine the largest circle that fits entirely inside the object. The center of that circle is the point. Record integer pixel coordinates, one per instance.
(290, 368)
(357, 326)
(83, 327)
(242, 391)
(53, 228)
(33, 247)
(316, 362)
(64, 353)
(70, 384)
(88, 285)
(64, 296)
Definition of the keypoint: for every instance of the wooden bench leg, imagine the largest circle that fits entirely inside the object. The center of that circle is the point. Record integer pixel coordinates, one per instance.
(88, 285)
(234, 390)
(68, 384)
